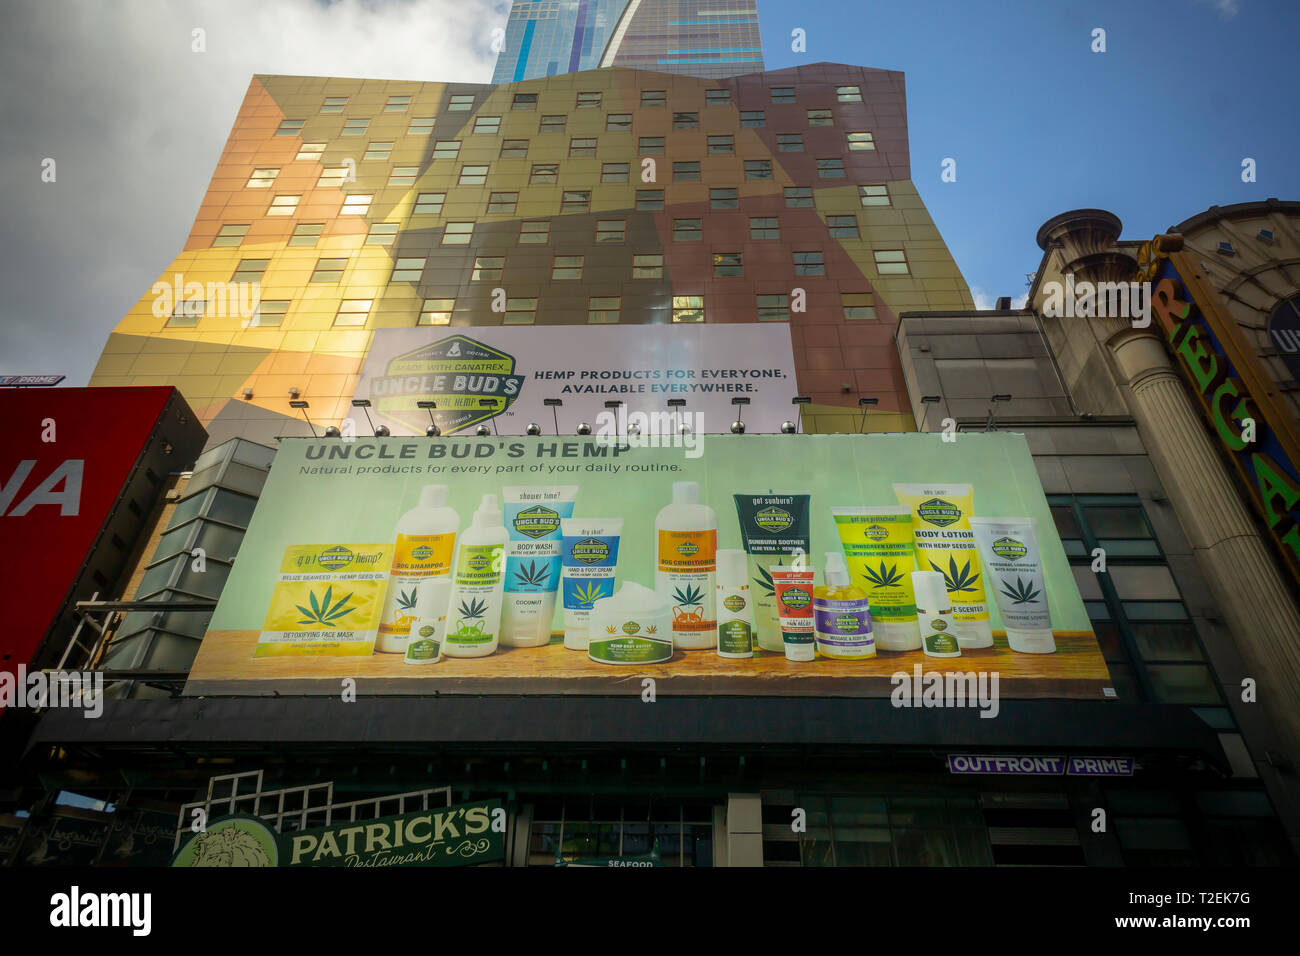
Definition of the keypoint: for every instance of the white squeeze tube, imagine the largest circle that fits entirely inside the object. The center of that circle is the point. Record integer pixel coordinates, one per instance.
(533, 516)
(590, 558)
(1009, 551)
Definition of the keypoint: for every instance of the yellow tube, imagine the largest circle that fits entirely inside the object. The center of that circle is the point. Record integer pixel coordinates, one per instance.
(945, 543)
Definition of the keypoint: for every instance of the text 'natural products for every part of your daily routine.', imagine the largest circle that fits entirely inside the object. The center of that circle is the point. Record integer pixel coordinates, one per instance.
(945, 543)
(881, 554)
(934, 611)
(533, 516)
(474, 611)
(774, 529)
(686, 545)
(735, 623)
(632, 627)
(1014, 566)
(425, 645)
(794, 603)
(589, 561)
(425, 538)
(841, 617)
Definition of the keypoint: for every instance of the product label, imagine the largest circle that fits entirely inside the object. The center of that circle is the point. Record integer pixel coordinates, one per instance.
(588, 564)
(939, 641)
(688, 558)
(416, 557)
(629, 650)
(327, 601)
(735, 637)
(946, 543)
(477, 570)
(843, 628)
(533, 553)
(423, 648)
(881, 557)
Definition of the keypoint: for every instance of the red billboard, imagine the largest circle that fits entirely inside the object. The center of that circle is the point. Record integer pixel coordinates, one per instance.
(66, 458)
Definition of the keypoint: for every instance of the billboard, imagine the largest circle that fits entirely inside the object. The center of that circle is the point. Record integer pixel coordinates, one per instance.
(316, 595)
(506, 373)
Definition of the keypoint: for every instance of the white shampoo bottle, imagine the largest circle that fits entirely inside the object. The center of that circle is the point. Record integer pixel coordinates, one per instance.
(423, 546)
(474, 611)
(686, 546)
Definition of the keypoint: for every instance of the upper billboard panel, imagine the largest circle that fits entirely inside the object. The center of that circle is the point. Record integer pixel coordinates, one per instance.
(573, 565)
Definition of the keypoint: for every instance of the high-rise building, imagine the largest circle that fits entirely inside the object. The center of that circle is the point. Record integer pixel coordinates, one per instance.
(712, 38)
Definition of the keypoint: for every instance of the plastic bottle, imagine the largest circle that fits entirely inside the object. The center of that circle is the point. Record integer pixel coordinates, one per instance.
(474, 611)
(934, 612)
(425, 536)
(425, 644)
(735, 616)
(842, 614)
(686, 545)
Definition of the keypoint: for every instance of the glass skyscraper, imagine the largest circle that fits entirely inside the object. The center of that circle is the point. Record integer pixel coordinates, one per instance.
(708, 38)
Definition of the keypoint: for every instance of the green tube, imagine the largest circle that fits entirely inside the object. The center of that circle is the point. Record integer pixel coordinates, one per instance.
(773, 531)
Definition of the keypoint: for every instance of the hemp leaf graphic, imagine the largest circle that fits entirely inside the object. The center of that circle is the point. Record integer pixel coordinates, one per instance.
(532, 575)
(883, 577)
(1022, 592)
(957, 580)
(322, 612)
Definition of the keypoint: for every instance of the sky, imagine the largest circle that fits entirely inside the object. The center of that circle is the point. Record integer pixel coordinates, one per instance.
(1154, 129)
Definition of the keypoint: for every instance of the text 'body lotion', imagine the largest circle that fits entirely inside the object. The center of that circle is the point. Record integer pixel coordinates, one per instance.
(425, 538)
(686, 547)
(474, 611)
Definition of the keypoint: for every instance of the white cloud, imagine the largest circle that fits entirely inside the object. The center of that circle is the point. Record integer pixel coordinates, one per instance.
(985, 301)
(1227, 8)
(135, 121)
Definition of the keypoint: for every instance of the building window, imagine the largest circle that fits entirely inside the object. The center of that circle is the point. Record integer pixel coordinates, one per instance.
(686, 121)
(333, 176)
(648, 267)
(436, 312)
(891, 262)
(773, 308)
(650, 145)
(408, 270)
(874, 195)
(611, 230)
(588, 100)
(717, 97)
(262, 178)
(859, 141)
(311, 152)
(809, 264)
(520, 312)
(651, 98)
(377, 150)
(329, 270)
(461, 103)
(487, 124)
(688, 308)
(270, 313)
(429, 204)
(514, 148)
(728, 265)
(472, 176)
(722, 144)
(357, 204)
(229, 236)
(552, 124)
(820, 118)
(687, 230)
(289, 128)
(457, 233)
(250, 270)
(725, 198)
(355, 127)
(783, 94)
(603, 310)
(618, 123)
(446, 149)
(503, 203)
(397, 104)
(798, 197)
(764, 227)
(649, 200)
(524, 101)
(566, 267)
(753, 119)
(582, 147)
(381, 234)
(686, 172)
(543, 173)
(353, 312)
(613, 173)
(843, 227)
(577, 201)
(186, 313)
(830, 168)
(306, 234)
(537, 231)
(848, 94)
(858, 305)
(758, 169)
(789, 143)
(334, 104)
(487, 268)
(403, 175)
(420, 126)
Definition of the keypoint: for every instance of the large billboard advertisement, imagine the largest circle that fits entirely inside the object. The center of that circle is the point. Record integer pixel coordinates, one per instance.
(736, 564)
(506, 374)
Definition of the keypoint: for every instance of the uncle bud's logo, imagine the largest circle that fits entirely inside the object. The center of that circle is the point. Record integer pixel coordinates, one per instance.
(631, 627)
(537, 521)
(1009, 548)
(688, 549)
(875, 533)
(331, 559)
(939, 512)
(939, 626)
(848, 622)
(773, 519)
(734, 603)
(796, 599)
(590, 551)
(422, 553)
